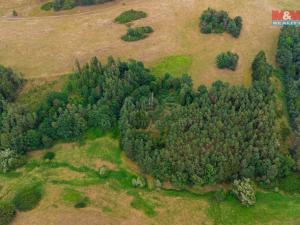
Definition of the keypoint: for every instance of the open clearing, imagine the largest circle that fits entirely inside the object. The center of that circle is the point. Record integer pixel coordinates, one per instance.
(43, 45)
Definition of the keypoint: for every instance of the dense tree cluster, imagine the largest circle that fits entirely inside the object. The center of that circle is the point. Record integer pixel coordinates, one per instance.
(69, 4)
(212, 21)
(172, 131)
(204, 136)
(288, 58)
(92, 98)
(227, 60)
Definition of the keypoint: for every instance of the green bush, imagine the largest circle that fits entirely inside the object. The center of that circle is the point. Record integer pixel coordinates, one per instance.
(244, 191)
(49, 156)
(7, 213)
(28, 197)
(10, 160)
(212, 21)
(69, 4)
(220, 195)
(138, 182)
(138, 33)
(82, 203)
(129, 16)
(47, 6)
(103, 171)
(14, 13)
(227, 60)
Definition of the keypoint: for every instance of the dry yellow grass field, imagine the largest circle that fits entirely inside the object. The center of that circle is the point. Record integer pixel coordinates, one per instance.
(44, 45)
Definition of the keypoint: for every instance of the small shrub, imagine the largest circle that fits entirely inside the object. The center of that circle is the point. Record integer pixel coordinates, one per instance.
(138, 182)
(47, 6)
(244, 191)
(7, 213)
(129, 16)
(14, 13)
(82, 203)
(103, 171)
(28, 197)
(158, 184)
(10, 160)
(220, 195)
(227, 60)
(138, 33)
(48, 156)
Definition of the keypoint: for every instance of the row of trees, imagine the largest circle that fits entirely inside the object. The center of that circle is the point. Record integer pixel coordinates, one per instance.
(212, 21)
(205, 136)
(288, 58)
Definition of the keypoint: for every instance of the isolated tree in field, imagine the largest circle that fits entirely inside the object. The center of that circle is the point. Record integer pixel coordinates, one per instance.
(227, 60)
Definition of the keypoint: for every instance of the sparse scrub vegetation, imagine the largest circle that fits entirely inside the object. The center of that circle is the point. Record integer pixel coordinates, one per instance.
(227, 60)
(129, 16)
(137, 33)
(49, 156)
(142, 204)
(212, 21)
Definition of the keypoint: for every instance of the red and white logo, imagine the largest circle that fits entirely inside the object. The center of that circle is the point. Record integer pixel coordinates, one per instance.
(286, 17)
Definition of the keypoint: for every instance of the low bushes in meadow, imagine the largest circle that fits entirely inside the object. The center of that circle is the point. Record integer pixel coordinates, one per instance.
(137, 33)
(129, 16)
(28, 197)
(48, 156)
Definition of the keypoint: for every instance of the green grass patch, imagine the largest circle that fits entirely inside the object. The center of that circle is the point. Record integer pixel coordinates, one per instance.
(269, 207)
(11, 174)
(106, 149)
(76, 197)
(28, 197)
(175, 65)
(290, 184)
(129, 16)
(72, 195)
(137, 33)
(142, 204)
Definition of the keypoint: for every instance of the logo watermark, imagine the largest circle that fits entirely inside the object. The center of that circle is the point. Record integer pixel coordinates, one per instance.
(286, 17)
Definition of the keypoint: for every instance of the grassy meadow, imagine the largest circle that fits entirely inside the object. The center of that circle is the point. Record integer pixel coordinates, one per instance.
(46, 44)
